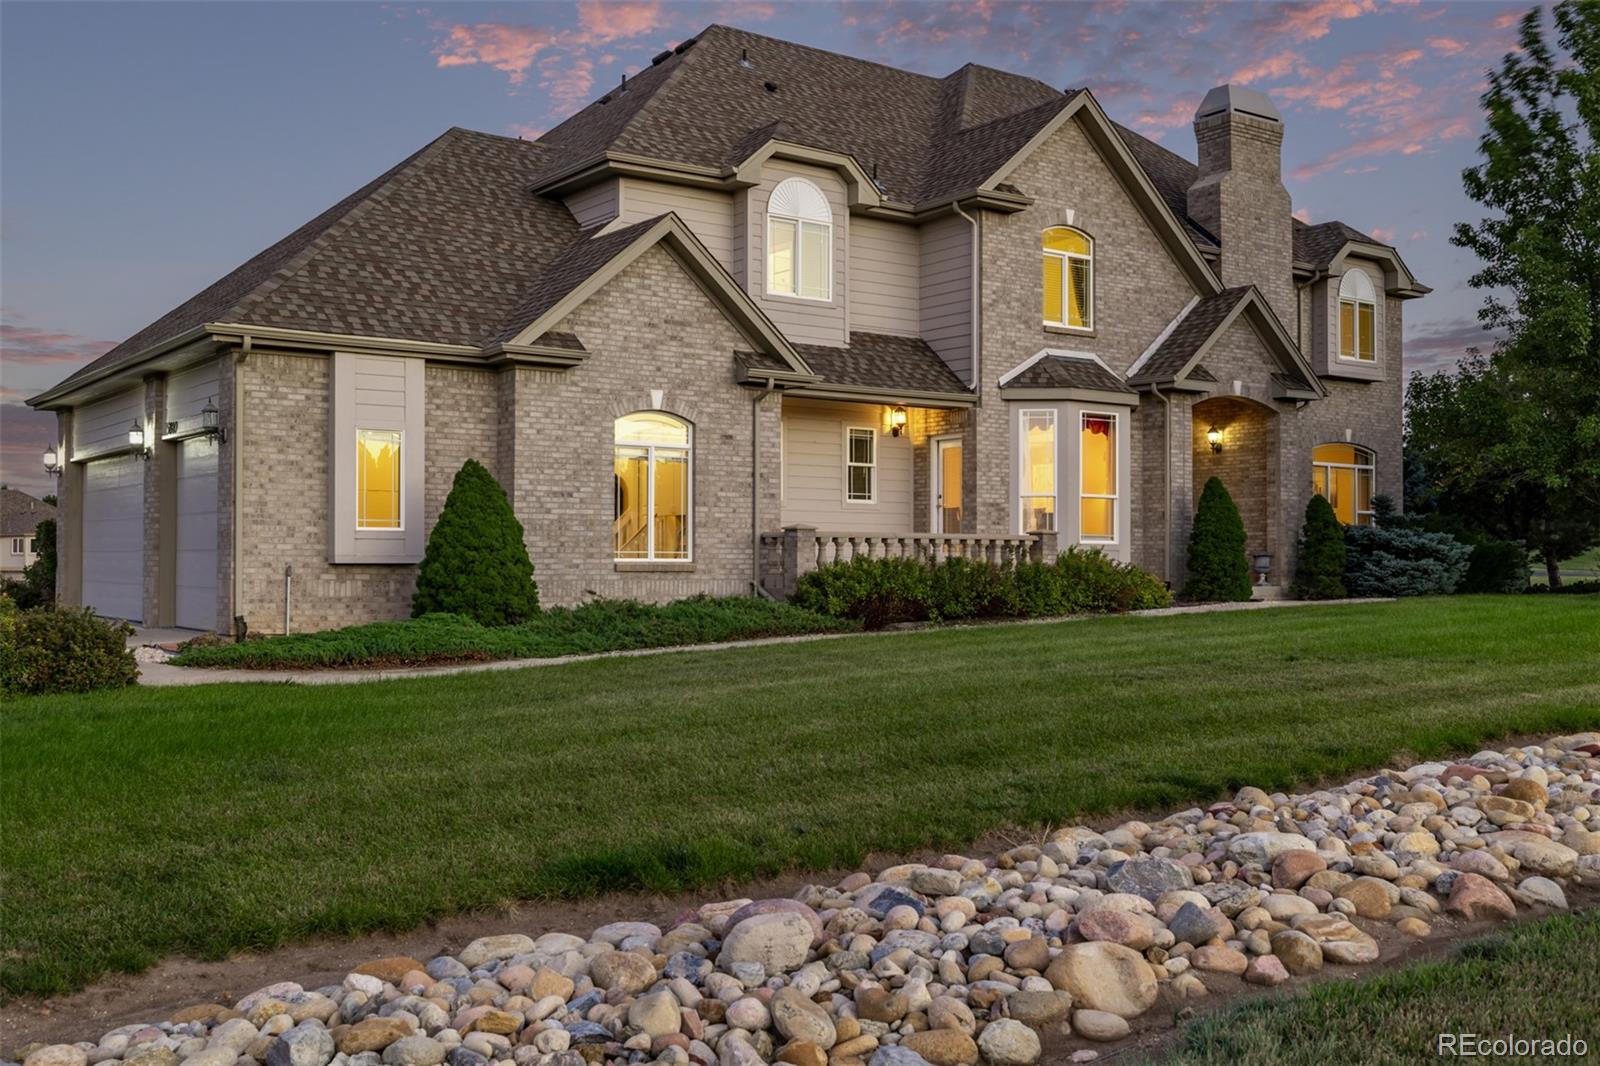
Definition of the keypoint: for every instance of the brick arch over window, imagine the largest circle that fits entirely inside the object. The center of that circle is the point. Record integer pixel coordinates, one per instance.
(1067, 260)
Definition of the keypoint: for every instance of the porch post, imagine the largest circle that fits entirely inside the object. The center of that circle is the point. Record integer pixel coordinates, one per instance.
(799, 555)
(1044, 545)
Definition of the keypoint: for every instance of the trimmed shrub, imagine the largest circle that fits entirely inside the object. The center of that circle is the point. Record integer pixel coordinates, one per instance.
(49, 650)
(1218, 569)
(1402, 562)
(1319, 564)
(877, 592)
(476, 563)
(1495, 565)
(880, 592)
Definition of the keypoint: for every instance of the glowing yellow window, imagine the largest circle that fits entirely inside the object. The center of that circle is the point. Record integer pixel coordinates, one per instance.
(377, 479)
(1358, 312)
(1097, 503)
(1068, 278)
(1343, 474)
(1038, 460)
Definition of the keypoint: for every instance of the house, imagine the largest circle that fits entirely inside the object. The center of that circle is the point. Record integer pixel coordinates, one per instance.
(20, 515)
(759, 307)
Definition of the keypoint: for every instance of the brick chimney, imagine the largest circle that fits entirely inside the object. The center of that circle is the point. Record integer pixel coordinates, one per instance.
(1239, 196)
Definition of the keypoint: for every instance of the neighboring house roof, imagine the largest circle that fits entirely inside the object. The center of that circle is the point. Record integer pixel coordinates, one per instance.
(20, 514)
(450, 247)
(1062, 371)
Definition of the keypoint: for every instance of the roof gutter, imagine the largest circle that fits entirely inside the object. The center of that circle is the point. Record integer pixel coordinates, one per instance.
(50, 397)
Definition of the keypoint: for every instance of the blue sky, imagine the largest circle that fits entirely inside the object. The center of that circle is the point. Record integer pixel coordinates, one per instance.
(148, 148)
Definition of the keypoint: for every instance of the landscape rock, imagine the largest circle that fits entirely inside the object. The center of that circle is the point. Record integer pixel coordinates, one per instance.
(1103, 976)
(1099, 1025)
(1009, 1043)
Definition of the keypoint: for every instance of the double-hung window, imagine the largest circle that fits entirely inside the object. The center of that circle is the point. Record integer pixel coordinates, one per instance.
(860, 465)
(1358, 310)
(1038, 466)
(651, 485)
(799, 242)
(1068, 278)
(1097, 485)
(378, 482)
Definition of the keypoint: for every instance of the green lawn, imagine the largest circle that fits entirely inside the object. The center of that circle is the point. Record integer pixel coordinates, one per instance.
(1536, 979)
(207, 819)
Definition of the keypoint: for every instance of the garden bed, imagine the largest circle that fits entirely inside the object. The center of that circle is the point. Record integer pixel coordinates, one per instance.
(439, 639)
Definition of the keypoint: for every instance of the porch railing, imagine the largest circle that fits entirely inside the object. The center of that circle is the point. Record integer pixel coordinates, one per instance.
(788, 556)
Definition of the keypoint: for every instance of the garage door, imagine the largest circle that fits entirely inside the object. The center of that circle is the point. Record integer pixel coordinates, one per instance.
(196, 584)
(113, 537)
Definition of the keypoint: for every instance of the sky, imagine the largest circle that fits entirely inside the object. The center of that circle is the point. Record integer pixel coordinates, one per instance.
(146, 149)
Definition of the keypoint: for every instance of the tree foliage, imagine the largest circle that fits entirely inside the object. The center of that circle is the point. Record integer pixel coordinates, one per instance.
(476, 563)
(1319, 562)
(1511, 440)
(1218, 569)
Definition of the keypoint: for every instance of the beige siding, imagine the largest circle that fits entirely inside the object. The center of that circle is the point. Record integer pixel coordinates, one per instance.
(103, 426)
(188, 390)
(802, 321)
(884, 268)
(596, 205)
(813, 470)
(708, 214)
(944, 304)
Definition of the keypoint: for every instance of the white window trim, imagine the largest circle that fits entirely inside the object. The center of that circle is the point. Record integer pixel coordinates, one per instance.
(935, 444)
(401, 472)
(1022, 467)
(1114, 496)
(1066, 264)
(1356, 303)
(872, 467)
(16, 545)
(687, 451)
(1355, 481)
(799, 221)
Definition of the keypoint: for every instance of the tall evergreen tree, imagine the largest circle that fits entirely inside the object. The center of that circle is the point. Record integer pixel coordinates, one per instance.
(1218, 569)
(1512, 440)
(1319, 560)
(476, 563)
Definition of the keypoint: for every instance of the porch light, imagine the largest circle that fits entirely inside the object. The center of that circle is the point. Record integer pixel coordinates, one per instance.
(210, 421)
(897, 421)
(136, 440)
(52, 460)
(1214, 435)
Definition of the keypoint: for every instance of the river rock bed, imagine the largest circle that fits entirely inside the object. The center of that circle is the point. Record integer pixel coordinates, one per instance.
(956, 961)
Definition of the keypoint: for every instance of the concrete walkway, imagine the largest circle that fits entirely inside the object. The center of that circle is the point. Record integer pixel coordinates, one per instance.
(164, 674)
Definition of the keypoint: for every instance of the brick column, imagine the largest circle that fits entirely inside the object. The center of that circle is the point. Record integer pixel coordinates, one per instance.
(69, 519)
(799, 558)
(160, 473)
(1045, 547)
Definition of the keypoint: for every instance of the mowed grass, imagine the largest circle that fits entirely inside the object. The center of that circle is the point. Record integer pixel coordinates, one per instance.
(209, 819)
(1535, 980)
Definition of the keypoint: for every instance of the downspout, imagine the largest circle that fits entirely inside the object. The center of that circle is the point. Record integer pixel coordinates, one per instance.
(755, 489)
(237, 435)
(1166, 421)
(977, 291)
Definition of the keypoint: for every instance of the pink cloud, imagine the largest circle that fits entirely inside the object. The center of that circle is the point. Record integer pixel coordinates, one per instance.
(1408, 137)
(1176, 114)
(26, 345)
(567, 85)
(1269, 69)
(508, 49)
(529, 131)
(1303, 214)
(1446, 45)
(1383, 234)
(604, 21)
(1310, 21)
(1418, 234)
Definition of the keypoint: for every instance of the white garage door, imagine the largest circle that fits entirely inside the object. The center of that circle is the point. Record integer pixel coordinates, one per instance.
(196, 584)
(113, 537)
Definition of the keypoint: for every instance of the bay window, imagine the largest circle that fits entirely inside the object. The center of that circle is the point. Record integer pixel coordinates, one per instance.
(1038, 471)
(799, 242)
(1097, 486)
(651, 487)
(1343, 475)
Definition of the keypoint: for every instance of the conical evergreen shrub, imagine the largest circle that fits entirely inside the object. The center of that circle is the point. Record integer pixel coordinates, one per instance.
(476, 563)
(1319, 568)
(1218, 569)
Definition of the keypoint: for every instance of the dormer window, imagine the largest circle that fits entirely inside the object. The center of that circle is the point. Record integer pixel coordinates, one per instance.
(799, 242)
(1068, 278)
(1358, 312)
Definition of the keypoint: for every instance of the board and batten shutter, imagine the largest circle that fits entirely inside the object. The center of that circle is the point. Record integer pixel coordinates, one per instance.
(383, 393)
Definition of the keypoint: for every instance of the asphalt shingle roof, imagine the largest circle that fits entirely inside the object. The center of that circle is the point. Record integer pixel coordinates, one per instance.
(1068, 372)
(1182, 343)
(450, 246)
(882, 361)
(20, 514)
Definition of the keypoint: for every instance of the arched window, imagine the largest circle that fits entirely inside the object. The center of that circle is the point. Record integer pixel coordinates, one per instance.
(1358, 312)
(1342, 473)
(799, 241)
(651, 467)
(1068, 278)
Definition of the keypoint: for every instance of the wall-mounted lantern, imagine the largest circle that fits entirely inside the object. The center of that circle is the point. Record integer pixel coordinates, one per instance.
(136, 440)
(1214, 435)
(897, 421)
(211, 422)
(52, 460)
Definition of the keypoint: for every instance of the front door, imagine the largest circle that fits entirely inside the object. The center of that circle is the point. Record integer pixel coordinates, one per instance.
(947, 485)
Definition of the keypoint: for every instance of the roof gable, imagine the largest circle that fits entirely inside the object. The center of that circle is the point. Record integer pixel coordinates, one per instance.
(1176, 354)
